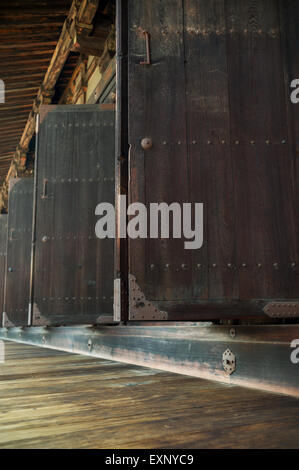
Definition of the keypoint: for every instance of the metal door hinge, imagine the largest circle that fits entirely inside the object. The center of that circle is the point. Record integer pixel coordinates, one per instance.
(229, 362)
(140, 307)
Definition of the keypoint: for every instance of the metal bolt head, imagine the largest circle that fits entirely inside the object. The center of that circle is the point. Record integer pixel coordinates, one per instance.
(146, 143)
(45, 239)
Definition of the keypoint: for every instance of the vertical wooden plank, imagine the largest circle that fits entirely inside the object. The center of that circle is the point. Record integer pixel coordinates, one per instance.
(266, 226)
(17, 282)
(73, 273)
(289, 31)
(157, 110)
(210, 162)
(3, 248)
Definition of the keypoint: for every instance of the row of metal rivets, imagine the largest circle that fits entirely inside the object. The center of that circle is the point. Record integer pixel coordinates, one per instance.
(228, 265)
(46, 238)
(22, 192)
(78, 124)
(77, 299)
(224, 142)
(77, 180)
(205, 32)
(21, 230)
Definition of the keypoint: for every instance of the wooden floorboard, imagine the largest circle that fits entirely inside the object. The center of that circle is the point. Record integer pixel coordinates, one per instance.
(51, 399)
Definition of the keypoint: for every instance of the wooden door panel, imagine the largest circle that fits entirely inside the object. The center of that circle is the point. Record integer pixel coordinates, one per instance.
(157, 110)
(215, 103)
(73, 273)
(3, 248)
(17, 282)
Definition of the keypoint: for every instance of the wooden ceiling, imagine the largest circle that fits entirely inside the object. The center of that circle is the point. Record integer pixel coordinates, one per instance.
(29, 31)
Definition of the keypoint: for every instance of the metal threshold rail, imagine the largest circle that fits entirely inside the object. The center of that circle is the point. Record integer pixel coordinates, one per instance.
(260, 357)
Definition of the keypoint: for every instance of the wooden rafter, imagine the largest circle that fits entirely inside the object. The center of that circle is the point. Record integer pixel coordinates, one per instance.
(79, 21)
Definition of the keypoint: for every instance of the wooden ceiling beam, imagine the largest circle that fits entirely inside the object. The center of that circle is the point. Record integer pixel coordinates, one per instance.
(27, 45)
(16, 108)
(15, 13)
(7, 139)
(36, 36)
(32, 86)
(38, 52)
(41, 21)
(9, 132)
(33, 4)
(27, 62)
(12, 121)
(13, 107)
(78, 21)
(24, 69)
(8, 78)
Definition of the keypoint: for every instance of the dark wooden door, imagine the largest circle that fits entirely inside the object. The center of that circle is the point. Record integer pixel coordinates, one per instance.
(73, 270)
(3, 243)
(215, 101)
(19, 236)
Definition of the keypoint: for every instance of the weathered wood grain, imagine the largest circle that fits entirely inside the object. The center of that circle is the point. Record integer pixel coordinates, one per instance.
(262, 353)
(50, 399)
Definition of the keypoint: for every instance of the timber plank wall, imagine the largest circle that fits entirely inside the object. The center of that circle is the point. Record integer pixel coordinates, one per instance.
(62, 400)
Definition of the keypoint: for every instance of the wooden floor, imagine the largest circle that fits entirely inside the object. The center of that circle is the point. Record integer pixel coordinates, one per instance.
(50, 399)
